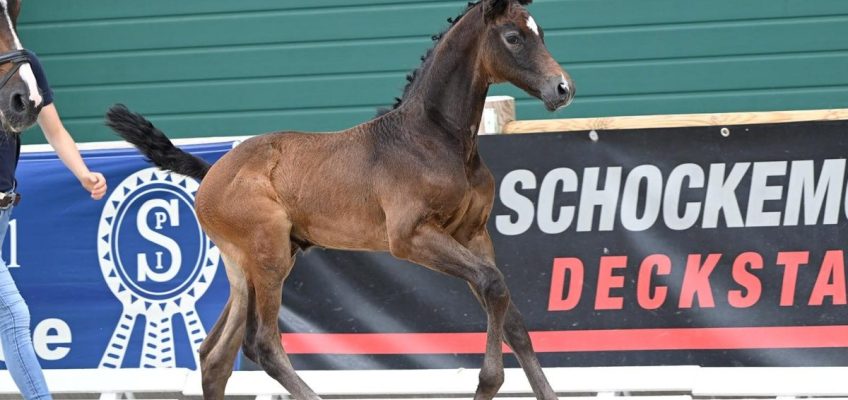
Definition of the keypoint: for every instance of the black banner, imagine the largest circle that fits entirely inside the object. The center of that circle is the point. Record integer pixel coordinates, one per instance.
(640, 247)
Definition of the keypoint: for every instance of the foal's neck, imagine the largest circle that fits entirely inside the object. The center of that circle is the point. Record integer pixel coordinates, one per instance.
(452, 87)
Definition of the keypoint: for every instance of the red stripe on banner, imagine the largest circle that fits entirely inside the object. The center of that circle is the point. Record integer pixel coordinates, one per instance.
(573, 341)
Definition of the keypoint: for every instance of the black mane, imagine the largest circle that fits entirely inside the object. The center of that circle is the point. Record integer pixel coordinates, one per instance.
(410, 77)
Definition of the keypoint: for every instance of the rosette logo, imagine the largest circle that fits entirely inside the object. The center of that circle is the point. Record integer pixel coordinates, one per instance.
(157, 261)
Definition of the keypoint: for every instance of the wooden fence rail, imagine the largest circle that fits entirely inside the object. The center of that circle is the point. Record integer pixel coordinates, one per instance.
(672, 121)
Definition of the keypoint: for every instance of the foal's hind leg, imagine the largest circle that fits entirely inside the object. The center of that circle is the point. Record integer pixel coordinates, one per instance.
(250, 347)
(271, 264)
(219, 349)
(515, 333)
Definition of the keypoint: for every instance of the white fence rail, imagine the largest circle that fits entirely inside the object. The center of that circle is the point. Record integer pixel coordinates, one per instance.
(643, 383)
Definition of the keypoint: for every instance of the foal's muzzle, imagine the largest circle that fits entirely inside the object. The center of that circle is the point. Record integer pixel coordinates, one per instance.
(19, 112)
(558, 92)
(17, 109)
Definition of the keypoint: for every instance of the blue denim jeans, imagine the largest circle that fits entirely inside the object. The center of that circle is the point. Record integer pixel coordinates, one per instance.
(15, 331)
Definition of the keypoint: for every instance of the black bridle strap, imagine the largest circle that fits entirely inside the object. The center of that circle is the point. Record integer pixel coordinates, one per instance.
(17, 58)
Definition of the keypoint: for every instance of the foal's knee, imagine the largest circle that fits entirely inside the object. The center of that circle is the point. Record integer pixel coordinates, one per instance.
(517, 337)
(515, 331)
(493, 289)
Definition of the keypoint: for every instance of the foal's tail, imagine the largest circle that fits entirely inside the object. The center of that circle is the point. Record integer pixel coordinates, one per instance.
(137, 130)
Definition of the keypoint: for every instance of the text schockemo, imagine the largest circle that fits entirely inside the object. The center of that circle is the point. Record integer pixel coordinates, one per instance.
(779, 193)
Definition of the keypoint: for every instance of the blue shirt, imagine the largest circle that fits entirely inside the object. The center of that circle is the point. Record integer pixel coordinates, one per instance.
(10, 144)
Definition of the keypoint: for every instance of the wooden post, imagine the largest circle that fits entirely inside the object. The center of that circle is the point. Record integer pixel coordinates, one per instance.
(499, 111)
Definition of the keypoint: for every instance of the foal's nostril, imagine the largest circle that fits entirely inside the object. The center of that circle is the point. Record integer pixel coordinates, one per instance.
(18, 103)
(557, 92)
(562, 89)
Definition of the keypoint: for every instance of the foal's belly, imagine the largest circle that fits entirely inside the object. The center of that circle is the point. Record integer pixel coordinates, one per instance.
(360, 229)
(365, 228)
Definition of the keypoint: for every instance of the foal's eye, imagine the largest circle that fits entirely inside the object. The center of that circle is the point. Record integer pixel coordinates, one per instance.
(513, 39)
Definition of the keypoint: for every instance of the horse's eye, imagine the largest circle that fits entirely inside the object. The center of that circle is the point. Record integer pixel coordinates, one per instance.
(513, 39)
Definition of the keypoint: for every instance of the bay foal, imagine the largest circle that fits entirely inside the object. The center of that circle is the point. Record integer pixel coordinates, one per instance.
(409, 182)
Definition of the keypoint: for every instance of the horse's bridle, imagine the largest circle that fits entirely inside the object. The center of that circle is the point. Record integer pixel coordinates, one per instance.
(16, 57)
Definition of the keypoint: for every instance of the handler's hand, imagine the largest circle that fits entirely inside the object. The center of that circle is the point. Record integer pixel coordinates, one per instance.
(95, 183)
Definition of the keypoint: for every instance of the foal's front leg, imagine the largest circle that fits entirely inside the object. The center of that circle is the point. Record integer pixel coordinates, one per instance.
(429, 246)
(515, 332)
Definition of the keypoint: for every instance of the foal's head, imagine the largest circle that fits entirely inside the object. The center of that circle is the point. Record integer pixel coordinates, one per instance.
(514, 50)
(20, 100)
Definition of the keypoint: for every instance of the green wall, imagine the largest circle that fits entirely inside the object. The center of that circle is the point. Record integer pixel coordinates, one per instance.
(219, 68)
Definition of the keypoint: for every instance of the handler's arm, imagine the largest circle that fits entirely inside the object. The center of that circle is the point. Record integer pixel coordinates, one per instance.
(66, 148)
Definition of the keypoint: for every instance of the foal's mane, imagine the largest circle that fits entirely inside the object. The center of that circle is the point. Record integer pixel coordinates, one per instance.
(495, 6)
(410, 77)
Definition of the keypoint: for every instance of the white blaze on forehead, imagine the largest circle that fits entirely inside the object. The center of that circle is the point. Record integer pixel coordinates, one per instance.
(26, 70)
(531, 23)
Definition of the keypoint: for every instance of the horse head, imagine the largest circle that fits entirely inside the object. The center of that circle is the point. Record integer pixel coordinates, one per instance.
(514, 51)
(20, 100)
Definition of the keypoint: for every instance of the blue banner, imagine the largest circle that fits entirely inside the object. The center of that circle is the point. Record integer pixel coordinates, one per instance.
(128, 281)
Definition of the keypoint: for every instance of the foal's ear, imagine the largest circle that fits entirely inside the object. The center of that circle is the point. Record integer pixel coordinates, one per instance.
(14, 9)
(495, 8)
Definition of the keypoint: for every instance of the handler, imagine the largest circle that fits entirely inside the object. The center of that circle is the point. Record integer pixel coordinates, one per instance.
(14, 314)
